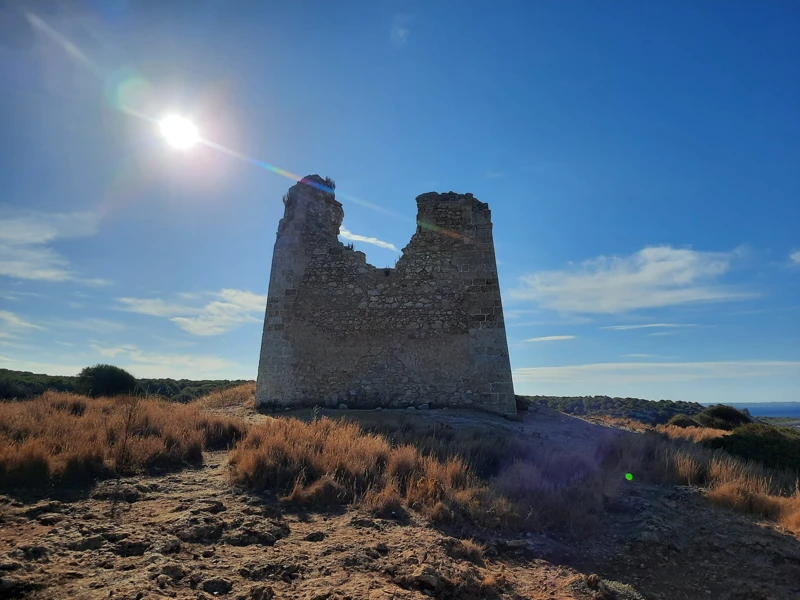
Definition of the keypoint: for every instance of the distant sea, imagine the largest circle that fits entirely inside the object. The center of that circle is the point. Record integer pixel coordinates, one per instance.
(771, 409)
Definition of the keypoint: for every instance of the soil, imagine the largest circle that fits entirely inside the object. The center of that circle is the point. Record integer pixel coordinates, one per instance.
(190, 534)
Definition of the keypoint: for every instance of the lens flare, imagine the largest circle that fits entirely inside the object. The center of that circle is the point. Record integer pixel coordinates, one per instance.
(179, 132)
(629, 476)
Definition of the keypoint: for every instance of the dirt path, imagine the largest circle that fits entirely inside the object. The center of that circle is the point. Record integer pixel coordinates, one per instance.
(186, 535)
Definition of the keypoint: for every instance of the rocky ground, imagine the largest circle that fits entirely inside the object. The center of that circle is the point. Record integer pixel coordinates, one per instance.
(191, 535)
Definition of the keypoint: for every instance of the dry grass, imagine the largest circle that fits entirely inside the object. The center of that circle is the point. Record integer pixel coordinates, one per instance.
(740, 485)
(240, 395)
(695, 434)
(66, 437)
(337, 462)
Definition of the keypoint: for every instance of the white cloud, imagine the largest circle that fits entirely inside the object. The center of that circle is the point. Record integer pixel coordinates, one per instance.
(794, 257)
(551, 338)
(94, 325)
(656, 276)
(25, 239)
(648, 326)
(12, 321)
(495, 174)
(661, 372)
(400, 32)
(354, 237)
(230, 309)
(142, 364)
(191, 366)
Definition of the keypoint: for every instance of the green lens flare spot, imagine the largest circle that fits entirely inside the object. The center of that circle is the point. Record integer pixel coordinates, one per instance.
(629, 476)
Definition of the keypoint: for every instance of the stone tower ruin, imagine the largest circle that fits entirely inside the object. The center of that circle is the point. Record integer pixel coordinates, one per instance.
(428, 331)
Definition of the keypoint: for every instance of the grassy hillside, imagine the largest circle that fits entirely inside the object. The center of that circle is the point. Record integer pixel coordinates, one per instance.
(22, 385)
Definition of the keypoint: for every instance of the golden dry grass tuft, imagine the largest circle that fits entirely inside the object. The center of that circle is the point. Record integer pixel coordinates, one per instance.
(70, 438)
(695, 434)
(295, 456)
(240, 395)
(740, 485)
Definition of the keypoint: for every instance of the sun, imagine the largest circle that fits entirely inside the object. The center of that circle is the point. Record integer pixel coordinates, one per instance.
(179, 132)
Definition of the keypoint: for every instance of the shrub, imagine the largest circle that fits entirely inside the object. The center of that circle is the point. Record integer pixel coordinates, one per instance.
(721, 416)
(777, 448)
(683, 421)
(105, 380)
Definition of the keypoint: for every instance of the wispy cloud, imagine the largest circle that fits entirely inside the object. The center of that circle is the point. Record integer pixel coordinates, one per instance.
(155, 364)
(551, 338)
(661, 333)
(228, 309)
(654, 277)
(794, 257)
(354, 237)
(91, 324)
(141, 364)
(656, 372)
(648, 326)
(13, 321)
(400, 32)
(495, 174)
(25, 238)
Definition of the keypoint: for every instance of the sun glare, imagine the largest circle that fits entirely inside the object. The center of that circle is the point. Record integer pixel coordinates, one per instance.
(179, 132)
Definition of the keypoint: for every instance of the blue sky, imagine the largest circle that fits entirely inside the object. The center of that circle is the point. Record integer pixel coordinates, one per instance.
(641, 160)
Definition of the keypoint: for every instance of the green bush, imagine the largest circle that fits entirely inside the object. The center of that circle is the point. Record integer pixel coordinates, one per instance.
(105, 380)
(777, 448)
(683, 421)
(721, 416)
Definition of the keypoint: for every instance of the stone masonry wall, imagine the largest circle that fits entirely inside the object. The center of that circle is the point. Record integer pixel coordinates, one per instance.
(430, 330)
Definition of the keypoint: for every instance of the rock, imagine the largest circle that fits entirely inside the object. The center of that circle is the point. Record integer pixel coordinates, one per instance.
(37, 553)
(427, 576)
(10, 565)
(11, 587)
(166, 545)
(208, 553)
(173, 570)
(198, 528)
(261, 592)
(162, 581)
(90, 542)
(649, 537)
(195, 578)
(114, 490)
(382, 548)
(425, 406)
(217, 585)
(211, 506)
(315, 536)
(411, 408)
(343, 406)
(51, 506)
(249, 537)
(135, 547)
(515, 544)
(49, 518)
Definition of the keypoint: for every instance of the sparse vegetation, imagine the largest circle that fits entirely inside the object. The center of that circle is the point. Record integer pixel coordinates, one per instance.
(66, 438)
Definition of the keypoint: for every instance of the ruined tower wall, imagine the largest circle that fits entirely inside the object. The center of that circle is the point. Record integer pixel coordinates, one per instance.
(429, 330)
